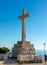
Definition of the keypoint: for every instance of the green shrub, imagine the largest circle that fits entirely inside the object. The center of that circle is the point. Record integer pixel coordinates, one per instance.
(3, 50)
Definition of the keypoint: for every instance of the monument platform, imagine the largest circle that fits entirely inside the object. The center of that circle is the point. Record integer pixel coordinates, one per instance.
(23, 48)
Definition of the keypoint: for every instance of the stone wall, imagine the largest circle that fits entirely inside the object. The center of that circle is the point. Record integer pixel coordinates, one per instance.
(5, 56)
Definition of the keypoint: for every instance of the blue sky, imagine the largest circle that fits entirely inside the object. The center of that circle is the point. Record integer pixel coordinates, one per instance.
(11, 26)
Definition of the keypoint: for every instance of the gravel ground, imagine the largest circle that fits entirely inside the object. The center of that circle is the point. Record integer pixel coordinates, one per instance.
(13, 62)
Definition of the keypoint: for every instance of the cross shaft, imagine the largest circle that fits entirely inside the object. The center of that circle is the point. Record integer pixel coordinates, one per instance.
(23, 17)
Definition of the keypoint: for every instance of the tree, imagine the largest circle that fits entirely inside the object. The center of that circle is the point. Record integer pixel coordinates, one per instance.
(4, 50)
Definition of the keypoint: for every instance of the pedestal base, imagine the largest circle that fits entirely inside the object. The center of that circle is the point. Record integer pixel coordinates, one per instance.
(23, 48)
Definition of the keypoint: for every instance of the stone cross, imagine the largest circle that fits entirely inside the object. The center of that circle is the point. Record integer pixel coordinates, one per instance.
(23, 17)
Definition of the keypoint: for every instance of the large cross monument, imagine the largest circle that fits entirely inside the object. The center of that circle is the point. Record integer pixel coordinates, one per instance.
(23, 48)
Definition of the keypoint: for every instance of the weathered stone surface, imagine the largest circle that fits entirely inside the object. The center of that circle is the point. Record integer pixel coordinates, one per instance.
(29, 58)
(23, 48)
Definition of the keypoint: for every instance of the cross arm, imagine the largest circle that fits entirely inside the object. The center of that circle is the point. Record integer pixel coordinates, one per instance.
(24, 16)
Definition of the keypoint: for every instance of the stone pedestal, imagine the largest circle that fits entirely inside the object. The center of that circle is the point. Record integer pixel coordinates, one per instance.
(23, 48)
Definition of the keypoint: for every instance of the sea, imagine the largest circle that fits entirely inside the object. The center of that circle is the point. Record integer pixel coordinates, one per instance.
(41, 52)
